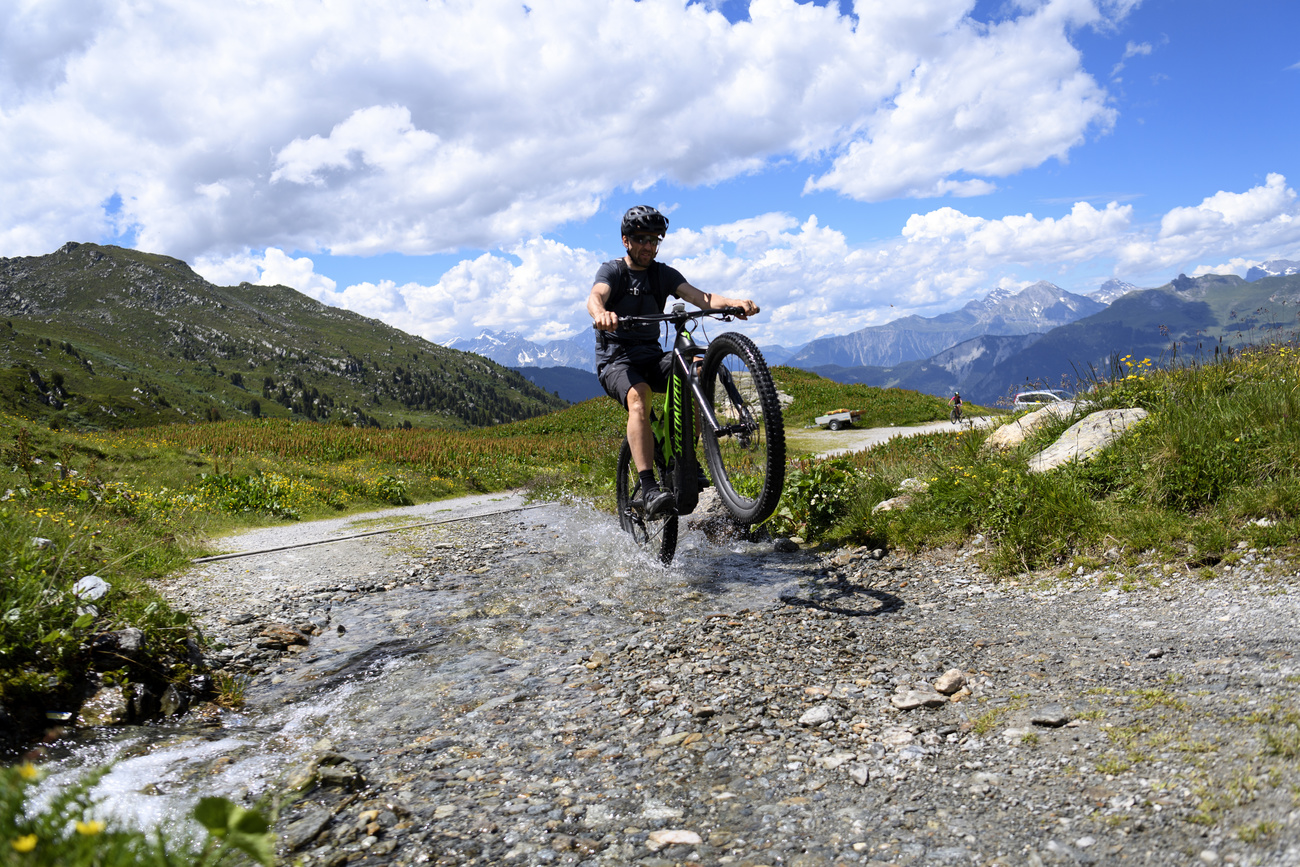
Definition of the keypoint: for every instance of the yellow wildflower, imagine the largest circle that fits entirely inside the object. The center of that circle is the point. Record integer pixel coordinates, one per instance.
(24, 844)
(91, 828)
(28, 772)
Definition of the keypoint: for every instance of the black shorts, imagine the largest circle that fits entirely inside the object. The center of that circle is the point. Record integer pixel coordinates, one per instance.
(621, 372)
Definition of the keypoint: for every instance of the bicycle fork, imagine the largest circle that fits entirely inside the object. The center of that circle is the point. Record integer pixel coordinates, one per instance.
(744, 424)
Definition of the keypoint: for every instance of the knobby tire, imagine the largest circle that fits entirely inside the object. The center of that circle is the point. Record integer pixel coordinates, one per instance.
(747, 456)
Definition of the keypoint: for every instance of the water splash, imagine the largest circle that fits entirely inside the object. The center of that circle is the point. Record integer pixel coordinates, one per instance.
(412, 663)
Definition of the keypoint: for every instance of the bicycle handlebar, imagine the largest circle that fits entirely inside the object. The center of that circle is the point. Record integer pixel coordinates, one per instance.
(723, 313)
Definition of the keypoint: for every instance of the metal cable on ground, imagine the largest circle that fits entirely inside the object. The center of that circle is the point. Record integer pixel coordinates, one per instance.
(217, 557)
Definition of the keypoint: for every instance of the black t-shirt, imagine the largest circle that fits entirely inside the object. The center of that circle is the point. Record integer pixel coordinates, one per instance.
(634, 293)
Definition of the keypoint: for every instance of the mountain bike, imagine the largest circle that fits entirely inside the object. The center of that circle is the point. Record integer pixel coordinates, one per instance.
(739, 420)
(955, 415)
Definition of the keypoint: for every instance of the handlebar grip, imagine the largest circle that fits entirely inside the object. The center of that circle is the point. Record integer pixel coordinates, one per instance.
(623, 323)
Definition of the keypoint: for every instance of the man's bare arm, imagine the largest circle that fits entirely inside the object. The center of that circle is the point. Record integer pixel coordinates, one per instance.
(604, 320)
(705, 300)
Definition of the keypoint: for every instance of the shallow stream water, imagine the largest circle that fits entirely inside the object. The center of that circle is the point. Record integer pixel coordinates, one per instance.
(507, 602)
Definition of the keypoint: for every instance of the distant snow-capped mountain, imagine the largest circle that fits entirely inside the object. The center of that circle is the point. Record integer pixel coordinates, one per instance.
(1112, 289)
(1035, 309)
(511, 350)
(1272, 268)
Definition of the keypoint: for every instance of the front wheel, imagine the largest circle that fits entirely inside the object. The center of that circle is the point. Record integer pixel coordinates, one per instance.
(747, 454)
(659, 534)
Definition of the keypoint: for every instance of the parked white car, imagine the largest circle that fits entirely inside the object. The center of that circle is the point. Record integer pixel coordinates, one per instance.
(1035, 399)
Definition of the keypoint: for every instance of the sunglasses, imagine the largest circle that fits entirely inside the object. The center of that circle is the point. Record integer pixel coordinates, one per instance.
(645, 240)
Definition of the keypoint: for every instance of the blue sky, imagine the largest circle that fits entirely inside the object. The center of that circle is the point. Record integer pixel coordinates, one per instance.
(456, 166)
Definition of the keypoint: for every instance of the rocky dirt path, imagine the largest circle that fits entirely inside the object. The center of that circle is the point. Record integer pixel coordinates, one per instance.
(829, 444)
(886, 709)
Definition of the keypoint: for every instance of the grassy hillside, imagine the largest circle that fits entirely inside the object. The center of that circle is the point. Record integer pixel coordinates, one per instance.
(99, 337)
(1213, 466)
(815, 395)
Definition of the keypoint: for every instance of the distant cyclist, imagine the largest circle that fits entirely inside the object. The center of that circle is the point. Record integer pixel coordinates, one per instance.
(955, 403)
(631, 363)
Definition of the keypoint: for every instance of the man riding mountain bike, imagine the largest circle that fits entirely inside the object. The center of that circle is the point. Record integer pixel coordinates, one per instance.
(631, 363)
(955, 402)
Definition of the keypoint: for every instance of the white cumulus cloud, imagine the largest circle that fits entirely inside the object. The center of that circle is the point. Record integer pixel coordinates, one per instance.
(1263, 220)
(985, 100)
(809, 281)
(399, 126)
(536, 290)
(271, 267)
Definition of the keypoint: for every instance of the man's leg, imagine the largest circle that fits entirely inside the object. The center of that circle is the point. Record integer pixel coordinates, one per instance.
(640, 438)
(639, 435)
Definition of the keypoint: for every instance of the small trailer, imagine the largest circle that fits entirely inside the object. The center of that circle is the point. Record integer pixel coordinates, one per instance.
(838, 418)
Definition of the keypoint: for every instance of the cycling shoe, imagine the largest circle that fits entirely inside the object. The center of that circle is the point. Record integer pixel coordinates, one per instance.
(701, 480)
(658, 503)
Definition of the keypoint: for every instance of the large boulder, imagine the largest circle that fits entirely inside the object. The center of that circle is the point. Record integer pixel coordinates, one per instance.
(1014, 432)
(1086, 438)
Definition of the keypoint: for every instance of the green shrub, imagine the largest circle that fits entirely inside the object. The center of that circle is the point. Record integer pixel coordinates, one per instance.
(390, 489)
(816, 495)
(250, 493)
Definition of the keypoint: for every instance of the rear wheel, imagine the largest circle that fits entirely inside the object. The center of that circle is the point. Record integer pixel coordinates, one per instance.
(747, 455)
(835, 425)
(658, 535)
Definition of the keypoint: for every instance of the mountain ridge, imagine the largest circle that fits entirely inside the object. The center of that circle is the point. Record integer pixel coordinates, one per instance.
(515, 351)
(1187, 317)
(103, 336)
(1034, 309)
(1272, 268)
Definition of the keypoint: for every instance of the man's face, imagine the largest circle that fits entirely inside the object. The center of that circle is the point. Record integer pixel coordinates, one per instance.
(641, 248)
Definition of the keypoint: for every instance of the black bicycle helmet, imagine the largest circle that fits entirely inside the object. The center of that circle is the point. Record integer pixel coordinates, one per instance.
(643, 218)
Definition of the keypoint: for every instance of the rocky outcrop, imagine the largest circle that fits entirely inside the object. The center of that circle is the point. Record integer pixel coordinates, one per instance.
(1014, 432)
(1086, 438)
(1080, 442)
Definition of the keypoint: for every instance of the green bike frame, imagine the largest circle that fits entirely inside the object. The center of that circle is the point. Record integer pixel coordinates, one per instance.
(674, 432)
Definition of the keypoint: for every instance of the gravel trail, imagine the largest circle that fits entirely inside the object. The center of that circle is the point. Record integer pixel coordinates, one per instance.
(519, 689)
(829, 444)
